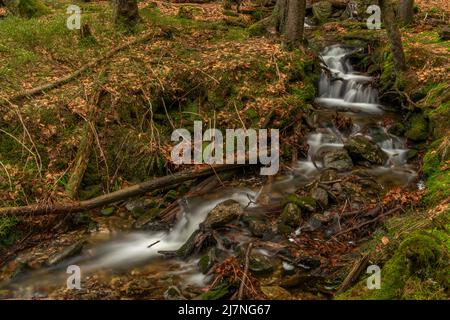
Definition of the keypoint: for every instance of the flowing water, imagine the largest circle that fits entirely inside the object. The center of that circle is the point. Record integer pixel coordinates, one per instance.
(341, 89)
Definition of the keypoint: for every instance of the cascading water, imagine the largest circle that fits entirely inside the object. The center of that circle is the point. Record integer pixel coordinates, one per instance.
(342, 87)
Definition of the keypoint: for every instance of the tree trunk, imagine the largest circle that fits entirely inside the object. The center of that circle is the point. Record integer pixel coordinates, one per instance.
(126, 12)
(406, 11)
(289, 16)
(393, 34)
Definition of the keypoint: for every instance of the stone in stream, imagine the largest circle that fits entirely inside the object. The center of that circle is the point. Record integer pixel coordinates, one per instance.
(66, 253)
(305, 203)
(258, 228)
(337, 159)
(222, 214)
(291, 216)
(321, 196)
(362, 149)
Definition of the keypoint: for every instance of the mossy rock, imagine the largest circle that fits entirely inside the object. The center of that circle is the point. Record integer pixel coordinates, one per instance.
(291, 215)
(397, 129)
(418, 128)
(27, 8)
(305, 203)
(363, 149)
(222, 214)
(337, 159)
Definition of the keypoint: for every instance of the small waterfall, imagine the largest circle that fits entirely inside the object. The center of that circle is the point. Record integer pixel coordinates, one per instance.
(342, 87)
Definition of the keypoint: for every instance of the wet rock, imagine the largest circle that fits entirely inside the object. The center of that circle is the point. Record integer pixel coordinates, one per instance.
(363, 149)
(173, 293)
(304, 203)
(397, 129)
(68, 252)
(418, 128)
(321, 196)
(322, 10)
(337, 159)
(258, 228)
(222, 214)
(328, 175)
(276, 293)
(197, 242)
(260, 265)
(291, 216)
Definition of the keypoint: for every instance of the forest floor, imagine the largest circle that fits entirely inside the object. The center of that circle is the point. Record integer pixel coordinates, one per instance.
(204, 63)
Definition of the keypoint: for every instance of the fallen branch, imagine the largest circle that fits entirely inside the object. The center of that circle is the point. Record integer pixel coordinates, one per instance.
(107, 199)
(354, 274)
(359, 226)
(57, 83)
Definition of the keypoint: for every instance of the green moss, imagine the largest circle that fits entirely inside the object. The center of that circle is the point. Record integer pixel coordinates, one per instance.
(418, 127)
(418, 269)
(27, 8)
(304, 203)
(8, 233)
(436, 172)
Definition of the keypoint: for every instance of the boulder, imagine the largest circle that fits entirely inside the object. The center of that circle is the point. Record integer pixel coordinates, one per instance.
(337, 159)
(363, 149)
(222, 214)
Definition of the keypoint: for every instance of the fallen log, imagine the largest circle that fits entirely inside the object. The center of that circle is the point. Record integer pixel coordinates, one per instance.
(113, 197)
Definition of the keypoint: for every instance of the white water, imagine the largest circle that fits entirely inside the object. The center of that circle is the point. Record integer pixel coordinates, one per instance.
(345, 88)
(133, 248)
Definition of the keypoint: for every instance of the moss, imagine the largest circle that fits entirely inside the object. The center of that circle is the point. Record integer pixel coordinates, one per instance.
(418, 269)
(418, 127)
(8, 233)
(436, 172)
(304, 203)
(27, 8)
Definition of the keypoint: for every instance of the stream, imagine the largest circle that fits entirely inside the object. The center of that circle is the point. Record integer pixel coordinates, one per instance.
(341, 91)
